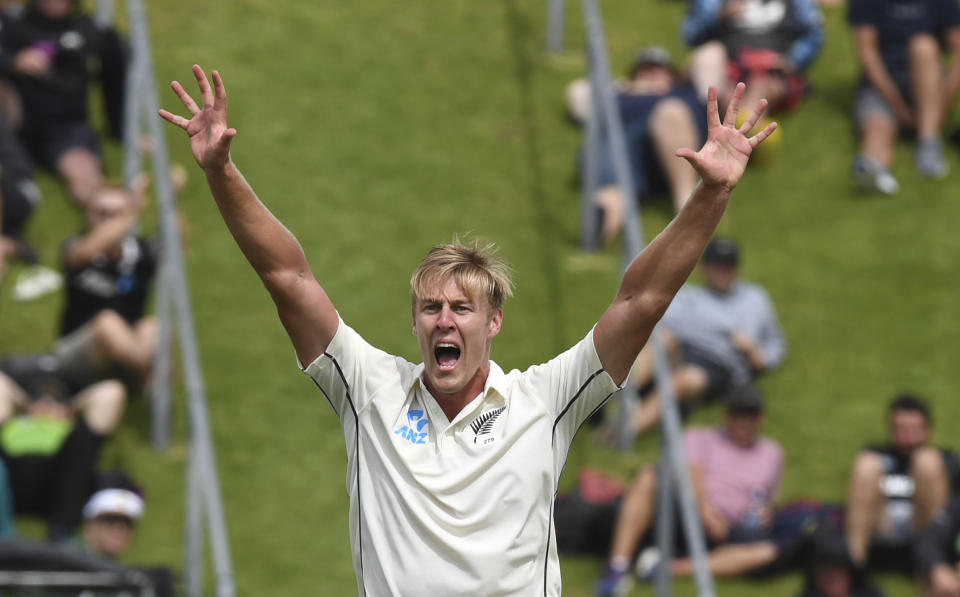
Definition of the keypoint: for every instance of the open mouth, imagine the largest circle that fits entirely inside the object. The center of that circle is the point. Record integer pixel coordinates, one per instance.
(447, 356)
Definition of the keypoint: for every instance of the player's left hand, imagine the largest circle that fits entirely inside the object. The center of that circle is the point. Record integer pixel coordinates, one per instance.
(723, 158)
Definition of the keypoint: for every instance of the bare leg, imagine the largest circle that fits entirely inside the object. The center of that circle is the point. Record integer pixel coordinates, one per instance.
(11, 396)
(610, 200)
(731, 560)
(672, 127)
(116, 342)
(926, 81)
(101, 405)
(708, 66)
(879, 133)
(932, 487)
(636, 512)
(80, 168)
(689, 382)
(864, 502)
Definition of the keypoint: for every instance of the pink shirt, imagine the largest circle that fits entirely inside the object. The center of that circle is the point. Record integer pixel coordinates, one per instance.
(733, 477)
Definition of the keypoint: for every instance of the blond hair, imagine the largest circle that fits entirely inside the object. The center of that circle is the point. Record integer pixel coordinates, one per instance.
(475, 267)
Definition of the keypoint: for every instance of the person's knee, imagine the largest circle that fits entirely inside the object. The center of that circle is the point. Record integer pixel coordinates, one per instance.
(926, 465)
(712, 53)
(80, 168)
(867, 470)
(924, 46)
(670, 117)
(690, 381)
(108, 323)
(104, 405)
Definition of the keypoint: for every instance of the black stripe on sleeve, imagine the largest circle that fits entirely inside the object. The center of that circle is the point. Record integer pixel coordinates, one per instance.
(356, 447)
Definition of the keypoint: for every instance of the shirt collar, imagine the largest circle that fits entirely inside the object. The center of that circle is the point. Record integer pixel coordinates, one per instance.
(496, 380)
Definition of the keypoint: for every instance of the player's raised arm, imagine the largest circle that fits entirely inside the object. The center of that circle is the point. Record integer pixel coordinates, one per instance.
(654, 277)
(305, 310)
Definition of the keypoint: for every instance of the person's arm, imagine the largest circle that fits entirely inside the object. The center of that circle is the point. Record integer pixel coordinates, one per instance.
(809, 24)
(655, 275)
(868, 53)
(306, 312)
(700, 22)
(108, 234)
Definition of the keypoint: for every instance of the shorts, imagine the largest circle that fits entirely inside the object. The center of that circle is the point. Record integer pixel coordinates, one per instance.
(719, 378)
(751, 62)
(48, 143)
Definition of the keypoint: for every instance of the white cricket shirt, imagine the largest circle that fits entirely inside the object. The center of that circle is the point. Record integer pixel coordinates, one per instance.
(462, 507)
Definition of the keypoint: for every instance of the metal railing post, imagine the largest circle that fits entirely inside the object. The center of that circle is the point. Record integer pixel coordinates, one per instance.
(676, 473)
(555, 10)
(201, 445)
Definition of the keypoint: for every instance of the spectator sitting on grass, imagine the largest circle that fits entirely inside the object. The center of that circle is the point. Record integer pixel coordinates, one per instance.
(48, 49)
(51, 450)
(896, 488)
(735, 474)
(903, 86)
(830, 571)
(19, 195)
(661, 113)
(719, 336)
(767, 43)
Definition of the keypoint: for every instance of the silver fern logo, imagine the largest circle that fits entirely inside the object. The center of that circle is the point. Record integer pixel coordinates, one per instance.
(483, 424)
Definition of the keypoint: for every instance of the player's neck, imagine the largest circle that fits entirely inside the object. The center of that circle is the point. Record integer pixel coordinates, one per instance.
(451, 403)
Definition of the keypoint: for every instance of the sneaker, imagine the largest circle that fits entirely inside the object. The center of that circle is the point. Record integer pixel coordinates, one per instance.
(648, 564)
(614, 583)
(871, 176)
(36, 281)
(929, 158)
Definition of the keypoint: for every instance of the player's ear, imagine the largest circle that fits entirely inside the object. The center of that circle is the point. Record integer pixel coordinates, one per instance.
(493, 326)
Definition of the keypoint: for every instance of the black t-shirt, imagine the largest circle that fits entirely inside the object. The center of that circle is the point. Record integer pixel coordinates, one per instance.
(60, 96)
(109, 283)
(896, 21)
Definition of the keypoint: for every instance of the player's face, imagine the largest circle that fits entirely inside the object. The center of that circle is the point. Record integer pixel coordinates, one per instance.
(55, 9)
(743, 425)
(719, 276)
(454, 332)
(908, 430)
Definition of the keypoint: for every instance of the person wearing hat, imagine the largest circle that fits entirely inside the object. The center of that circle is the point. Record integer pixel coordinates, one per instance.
(719, 336)
(110, 514)
(51, 449)
(735, 473)
(660, 113)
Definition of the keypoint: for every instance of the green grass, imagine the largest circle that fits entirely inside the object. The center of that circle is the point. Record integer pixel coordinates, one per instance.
(374, 130)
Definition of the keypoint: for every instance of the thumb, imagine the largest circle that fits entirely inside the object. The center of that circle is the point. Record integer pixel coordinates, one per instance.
(226, 138)
(687, 154)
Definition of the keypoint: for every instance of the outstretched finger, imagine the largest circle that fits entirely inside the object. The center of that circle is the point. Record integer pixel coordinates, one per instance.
(205, 92)
(180, 121)
(220, 92)
(752, 119)
(734, 106)
(713, 112)
(185, 97)
(759, 137)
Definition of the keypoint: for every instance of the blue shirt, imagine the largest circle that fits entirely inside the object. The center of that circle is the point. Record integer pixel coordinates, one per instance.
(896, 21)
(705, 319)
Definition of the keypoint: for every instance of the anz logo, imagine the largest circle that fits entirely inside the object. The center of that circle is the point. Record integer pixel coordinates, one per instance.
(413, 431)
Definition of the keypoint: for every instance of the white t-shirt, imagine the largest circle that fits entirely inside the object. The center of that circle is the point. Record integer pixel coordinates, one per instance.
(462, 507)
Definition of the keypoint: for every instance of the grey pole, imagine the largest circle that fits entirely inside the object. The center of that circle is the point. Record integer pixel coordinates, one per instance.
(665, 510)
(104, 13)
(201, 443)
(633, 241)
(555, 25)
(589, 220)
(193, 528)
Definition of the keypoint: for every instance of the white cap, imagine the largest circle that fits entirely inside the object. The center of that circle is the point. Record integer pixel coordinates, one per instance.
(114, 501)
